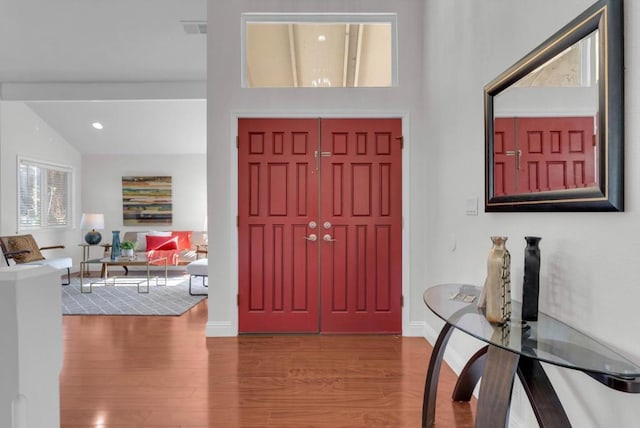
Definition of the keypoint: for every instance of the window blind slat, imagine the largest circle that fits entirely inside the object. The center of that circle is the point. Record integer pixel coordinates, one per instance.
(57, 198)
(29, 197)
(44, 195)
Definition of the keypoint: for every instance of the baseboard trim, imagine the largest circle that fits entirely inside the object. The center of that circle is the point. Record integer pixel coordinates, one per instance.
(430, 333)
(220, 329)
(415, 329)
(451, 357)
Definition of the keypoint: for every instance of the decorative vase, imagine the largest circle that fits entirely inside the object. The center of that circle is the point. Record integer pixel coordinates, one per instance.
(127, 252)
(531, 284)
(115, 245)
(502, 334)
(496, 293)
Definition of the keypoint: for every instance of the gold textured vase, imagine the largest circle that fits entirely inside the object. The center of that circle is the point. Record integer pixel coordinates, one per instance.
(496, 293)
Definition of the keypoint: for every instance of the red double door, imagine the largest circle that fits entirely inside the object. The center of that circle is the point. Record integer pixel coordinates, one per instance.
(320, 225)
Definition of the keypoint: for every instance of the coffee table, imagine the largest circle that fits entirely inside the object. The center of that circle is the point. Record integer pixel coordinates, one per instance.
(123, 262)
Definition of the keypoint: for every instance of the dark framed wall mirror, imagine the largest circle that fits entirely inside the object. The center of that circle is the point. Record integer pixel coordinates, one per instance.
(554, 121)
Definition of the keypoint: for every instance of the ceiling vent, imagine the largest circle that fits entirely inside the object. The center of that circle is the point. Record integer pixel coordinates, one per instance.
(194, 27)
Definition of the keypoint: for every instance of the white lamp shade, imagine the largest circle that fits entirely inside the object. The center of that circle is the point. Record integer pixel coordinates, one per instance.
(92, 221)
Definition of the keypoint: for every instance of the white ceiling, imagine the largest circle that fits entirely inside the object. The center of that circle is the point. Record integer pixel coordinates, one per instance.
(99, 43)
(130, 65)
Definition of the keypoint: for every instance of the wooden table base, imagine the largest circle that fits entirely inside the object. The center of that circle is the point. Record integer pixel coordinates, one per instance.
(498, 368)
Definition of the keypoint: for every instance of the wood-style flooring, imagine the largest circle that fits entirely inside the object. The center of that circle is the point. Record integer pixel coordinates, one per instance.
(128, 371)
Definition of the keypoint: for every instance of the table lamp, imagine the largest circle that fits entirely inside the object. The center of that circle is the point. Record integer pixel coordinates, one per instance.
(93, 222)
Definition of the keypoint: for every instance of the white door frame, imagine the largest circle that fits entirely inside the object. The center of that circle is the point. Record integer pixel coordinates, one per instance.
(233, 206)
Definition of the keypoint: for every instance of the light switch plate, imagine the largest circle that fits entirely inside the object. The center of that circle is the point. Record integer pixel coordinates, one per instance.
(471, 205)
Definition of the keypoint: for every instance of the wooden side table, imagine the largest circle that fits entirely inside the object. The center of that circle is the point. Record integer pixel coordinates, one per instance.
(86, 255)
(202, 249)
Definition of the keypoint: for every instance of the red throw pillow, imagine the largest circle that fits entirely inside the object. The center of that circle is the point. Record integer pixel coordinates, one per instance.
(184, 239)
(161, 243)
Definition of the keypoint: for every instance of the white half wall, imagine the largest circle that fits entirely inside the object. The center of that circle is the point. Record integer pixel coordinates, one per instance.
(102, 188)
(23, 133)
(32, 349)
(590, 266)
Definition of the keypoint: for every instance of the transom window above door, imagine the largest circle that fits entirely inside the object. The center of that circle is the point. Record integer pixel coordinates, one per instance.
(319, 50)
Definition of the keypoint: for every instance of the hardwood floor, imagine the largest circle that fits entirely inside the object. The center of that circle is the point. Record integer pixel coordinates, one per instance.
(127, 371)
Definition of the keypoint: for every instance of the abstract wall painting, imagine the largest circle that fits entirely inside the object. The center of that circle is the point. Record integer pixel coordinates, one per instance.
(146, 200)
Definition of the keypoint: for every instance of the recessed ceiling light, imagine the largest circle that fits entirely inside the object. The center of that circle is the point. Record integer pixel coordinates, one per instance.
(97, 125)
(322, 38)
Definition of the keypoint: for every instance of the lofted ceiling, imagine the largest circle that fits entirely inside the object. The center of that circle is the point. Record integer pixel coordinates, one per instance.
(313, 54)
(130, 127)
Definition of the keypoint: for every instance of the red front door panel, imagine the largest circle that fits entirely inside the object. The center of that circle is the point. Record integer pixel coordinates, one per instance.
(362, 200)
(344, 175)
(277, 198)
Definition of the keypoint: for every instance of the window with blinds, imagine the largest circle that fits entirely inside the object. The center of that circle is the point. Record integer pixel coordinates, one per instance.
(44, 195)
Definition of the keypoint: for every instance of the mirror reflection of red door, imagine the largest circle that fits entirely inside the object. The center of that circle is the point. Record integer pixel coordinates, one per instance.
(504, 156)
(557, 153)
(319, 225)
(537, 154)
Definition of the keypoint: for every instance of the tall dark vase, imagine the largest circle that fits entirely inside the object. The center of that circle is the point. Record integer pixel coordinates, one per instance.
(115, 245)
(531, 284)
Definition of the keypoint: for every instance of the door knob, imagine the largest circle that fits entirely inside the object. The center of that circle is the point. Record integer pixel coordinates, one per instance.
(313, 224)
(311, 237)
(328, 238)
(327, 225)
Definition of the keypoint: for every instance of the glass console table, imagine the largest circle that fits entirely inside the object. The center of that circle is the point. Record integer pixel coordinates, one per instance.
(516, 348)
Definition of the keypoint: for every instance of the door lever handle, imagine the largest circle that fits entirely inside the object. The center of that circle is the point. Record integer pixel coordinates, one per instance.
(311, 237)
(328, 238)
(514, 153)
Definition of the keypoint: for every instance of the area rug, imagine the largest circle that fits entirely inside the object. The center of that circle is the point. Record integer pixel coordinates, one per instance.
(170, 299)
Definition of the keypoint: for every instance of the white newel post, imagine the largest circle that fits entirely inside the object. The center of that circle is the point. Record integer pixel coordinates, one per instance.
(30, 347)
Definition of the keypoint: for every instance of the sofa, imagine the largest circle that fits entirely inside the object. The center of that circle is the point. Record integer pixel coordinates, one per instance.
(179, 247)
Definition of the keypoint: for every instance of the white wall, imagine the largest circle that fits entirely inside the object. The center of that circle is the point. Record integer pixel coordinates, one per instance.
(590, 268)
(102, 188)
(227, 100)
(589, 260)
(23, 133)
